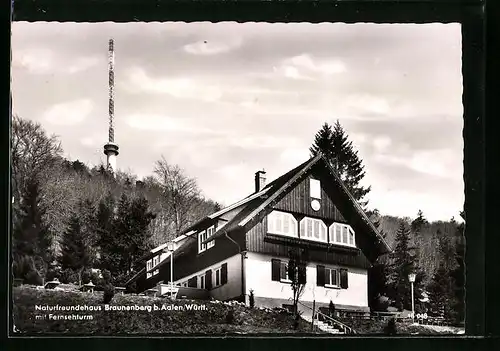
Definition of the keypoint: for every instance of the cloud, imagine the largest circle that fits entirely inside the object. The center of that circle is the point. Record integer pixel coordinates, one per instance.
(366, 103)
(381, 143)
(45, 61)
(69, 113)
(439, 163)
(211, 47)
(161, 123)
(83, 64)
(36, 61)
(88, 141)
(294, 156)
(305, 67)
(183, 88)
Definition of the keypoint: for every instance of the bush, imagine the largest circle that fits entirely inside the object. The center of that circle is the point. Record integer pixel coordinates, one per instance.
(106, 276)
(33, 278)
(251, 299)
(230, 316)
(68, 276)
(390, 328)
(331, 309)
(52, 274)
(109, 292)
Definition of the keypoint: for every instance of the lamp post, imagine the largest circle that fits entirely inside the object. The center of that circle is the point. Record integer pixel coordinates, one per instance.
(411, 278)
(170, 248)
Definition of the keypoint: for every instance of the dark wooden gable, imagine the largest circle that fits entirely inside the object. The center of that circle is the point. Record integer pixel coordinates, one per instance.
(297, 200)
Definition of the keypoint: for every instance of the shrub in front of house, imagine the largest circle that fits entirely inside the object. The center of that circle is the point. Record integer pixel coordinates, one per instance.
(109, 292)
(251, 299)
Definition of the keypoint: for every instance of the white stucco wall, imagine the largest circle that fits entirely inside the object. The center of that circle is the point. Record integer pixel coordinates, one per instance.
(233, 286)
(258, 278)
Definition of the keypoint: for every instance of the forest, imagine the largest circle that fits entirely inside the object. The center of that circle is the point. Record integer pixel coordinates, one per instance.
(69, 219)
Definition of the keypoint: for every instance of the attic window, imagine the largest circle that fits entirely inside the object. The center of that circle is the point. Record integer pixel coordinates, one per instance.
(282, 223)
(315, 188)
(342, 234)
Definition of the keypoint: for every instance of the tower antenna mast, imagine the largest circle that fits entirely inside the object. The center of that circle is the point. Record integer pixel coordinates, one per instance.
(111, 148)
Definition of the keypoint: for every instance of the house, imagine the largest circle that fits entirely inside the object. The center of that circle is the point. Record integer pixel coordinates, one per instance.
(246, 246)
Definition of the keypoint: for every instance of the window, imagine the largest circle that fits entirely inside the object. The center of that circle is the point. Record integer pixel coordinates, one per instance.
(342, 234)
(332, 277)
(284, 272)
(315, 188)
(204, 235)
(210, 232)
(201, 238)
(185, 284)
(218, 276)
(149, 265)
(313, 229)
(202, 281)
(156, 261)
(282, 223)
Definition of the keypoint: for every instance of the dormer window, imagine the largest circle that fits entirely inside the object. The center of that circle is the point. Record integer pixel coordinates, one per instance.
(149, 265)
(204, 235)
(342, 234)
(315, 188)
(282, 223)
(313, 229)
(210, 232)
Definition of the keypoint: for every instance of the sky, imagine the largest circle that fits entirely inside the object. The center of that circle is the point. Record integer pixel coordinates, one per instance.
(223, 100)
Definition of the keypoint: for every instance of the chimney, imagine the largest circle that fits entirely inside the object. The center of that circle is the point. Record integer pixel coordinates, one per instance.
(260, 180)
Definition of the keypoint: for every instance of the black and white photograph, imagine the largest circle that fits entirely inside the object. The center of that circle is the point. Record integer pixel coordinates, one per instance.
(173, 178)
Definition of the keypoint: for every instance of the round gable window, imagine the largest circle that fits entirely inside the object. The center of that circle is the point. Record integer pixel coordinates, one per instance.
(315, 205)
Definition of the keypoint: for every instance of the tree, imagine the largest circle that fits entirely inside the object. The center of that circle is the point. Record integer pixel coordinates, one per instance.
(334, 144)
(32, 240)
(296, 270)
(179, 192)
(104, 229)
(419, 222)
(75, 255)
(89, 228)
(33, 153)
(401, 266)
(458, 276)
(377, 273)
(439, 292)
(127, 241)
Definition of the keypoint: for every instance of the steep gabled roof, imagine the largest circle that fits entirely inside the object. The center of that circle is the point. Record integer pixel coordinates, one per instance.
(282, 184)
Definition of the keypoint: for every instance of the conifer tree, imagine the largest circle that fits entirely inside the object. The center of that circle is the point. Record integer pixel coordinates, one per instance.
(334, 144)
(127, 241)
(32, 240)
(439, 292)
(89, 228)
(75, 254)
(458, 276)
(377, 274)
(402, 264)
(418, 223)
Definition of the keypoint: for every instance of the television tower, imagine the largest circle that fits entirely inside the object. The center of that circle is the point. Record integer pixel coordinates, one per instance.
(111, 148)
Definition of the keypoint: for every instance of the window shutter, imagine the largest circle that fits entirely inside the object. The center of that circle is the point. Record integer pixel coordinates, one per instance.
(320, 275)
(223, 274)
(208, 279)
(275, 270)
(302, 275)
(343, 278)
(193, 282)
